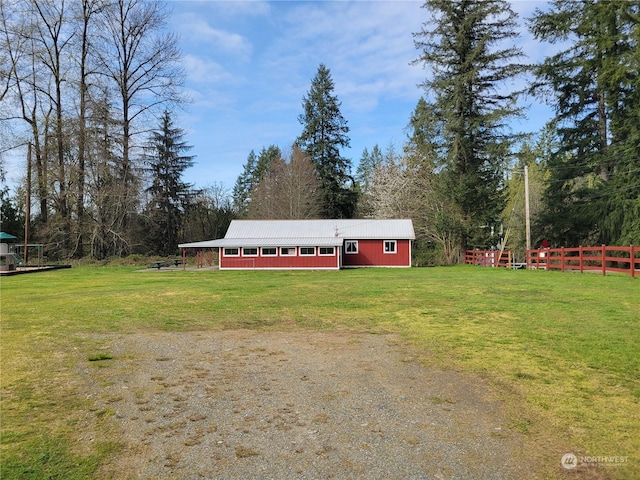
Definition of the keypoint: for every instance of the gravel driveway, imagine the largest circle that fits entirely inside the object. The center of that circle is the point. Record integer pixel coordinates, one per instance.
(241, 404)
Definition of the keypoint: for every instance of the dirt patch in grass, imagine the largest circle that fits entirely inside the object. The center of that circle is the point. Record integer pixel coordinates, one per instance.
(248, 404)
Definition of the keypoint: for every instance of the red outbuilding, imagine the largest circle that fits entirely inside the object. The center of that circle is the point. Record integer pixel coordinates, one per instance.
(312, 244)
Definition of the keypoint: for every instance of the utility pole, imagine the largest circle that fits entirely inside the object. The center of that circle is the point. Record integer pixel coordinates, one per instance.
(526, 206)
(27, 206)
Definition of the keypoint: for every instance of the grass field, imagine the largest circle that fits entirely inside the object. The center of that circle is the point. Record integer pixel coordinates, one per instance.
(563, 350)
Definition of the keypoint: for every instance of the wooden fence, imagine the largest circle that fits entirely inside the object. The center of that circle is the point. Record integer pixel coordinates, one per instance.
(603, 259)
(487, 258)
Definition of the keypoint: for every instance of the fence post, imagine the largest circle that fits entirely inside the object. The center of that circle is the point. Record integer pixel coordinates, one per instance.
(632, 258)
(581, 258)
(604, 263)
(562, 259)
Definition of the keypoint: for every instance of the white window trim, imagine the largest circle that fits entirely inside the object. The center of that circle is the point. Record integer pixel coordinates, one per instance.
(268, 254)
(354, 242)
(231, 255)
(395, 247)
(250, 254)
(308, 254)
(327, 254)
(295, 252)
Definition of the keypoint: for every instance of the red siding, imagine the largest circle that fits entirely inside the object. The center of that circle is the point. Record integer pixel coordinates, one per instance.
(281, 262)
(371, 254)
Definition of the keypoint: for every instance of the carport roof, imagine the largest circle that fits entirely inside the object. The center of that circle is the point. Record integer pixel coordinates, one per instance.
(266, 242)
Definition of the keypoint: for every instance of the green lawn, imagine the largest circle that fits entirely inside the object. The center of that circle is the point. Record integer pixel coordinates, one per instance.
(563, 350)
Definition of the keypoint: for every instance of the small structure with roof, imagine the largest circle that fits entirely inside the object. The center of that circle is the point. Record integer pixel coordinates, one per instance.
(312, 244)
(4, 238)
(8, 260)
(13, 263)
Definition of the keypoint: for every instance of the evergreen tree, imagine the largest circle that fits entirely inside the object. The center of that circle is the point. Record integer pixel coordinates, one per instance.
(244, 184)
(366, 166)
(462, 44)
(325, 133)
(169, 194)
(254, 169)
(533, 154)
(365, 175)
(594, 85)
(11, 219)
(266, 157)
(423, 133)
(438, 222)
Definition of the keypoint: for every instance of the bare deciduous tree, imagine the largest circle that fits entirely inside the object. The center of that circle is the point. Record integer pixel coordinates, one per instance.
(58, 61)
(210, 213)
(140, 62)
(85, 13)
(406, 187)
(289, 190)
(52, 34)
(27, 99)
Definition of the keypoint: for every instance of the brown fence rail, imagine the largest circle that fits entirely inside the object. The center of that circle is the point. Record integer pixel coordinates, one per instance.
(487, 258)
(605, 259)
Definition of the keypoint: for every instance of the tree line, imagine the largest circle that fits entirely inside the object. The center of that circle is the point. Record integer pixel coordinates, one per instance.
(459, 174)
(82, 81)
(95, 82)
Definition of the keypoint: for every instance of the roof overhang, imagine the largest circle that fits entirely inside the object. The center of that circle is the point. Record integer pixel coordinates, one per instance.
(266, 242)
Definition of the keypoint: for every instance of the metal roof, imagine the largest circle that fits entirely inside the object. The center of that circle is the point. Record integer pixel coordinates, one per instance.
(264, 233)
(267, 242)
(349, 229)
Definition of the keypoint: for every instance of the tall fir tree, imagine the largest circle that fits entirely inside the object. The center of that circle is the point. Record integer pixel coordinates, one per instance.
(593, 195)
(11, 218)
(253, 171)
(266, 157)
(365, 174)
(368, 163)
(325, 132)
(463, 46)
(243, 186)
(170, 195)
(423, 133)
(533, 154)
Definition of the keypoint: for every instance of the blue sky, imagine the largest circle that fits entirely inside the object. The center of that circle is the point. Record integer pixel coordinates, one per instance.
(249, 64)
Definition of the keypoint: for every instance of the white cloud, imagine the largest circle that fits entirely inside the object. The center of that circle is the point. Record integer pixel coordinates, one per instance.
(205, 71)
(367, 46)
(251, 62)
(235, 8)
(196, 30)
